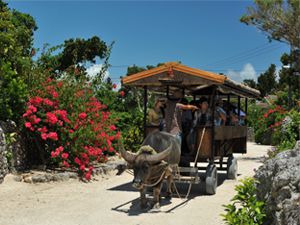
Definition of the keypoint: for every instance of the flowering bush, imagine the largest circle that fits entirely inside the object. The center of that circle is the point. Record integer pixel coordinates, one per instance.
(264, 121)
(73, 128)
(274, 116)
(288, 131)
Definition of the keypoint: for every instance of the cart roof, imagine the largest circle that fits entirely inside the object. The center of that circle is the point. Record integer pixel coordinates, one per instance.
(194, 81)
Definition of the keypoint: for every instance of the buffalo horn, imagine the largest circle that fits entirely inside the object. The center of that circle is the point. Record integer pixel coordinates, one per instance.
(156, 158)
(128, 156)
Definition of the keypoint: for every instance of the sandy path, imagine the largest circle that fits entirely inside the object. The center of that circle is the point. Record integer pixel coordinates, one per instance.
(111, 200)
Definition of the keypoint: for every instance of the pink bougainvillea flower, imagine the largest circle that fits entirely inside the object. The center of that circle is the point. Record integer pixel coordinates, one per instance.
(53, 136)
(28, 113)
(65, 155)
(44, 136)
(88, 176)
(82, 115)
(36, 100)
(34, 119)
(51, 118)
(122, 93)
(32, 108)
(118, 135)
(112, 127)
(60, 149)
(48, 80)
(28, 124)
(60, 84)
(54, 94)
(53, 154)
(82, 167)
(114, 86)
(43, 129)
(66, 164)
(48, 102)
(77, 161)
(60, 123)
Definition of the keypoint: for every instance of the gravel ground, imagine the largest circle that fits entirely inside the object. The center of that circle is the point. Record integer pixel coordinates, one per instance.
(112, 200)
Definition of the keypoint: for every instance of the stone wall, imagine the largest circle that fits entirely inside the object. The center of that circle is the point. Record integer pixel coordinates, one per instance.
(15, 151)
(250, 134)
(17, 148)
(279, 187)
(3, 161)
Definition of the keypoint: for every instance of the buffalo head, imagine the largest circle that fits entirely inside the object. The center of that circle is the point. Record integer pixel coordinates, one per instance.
(144, 163)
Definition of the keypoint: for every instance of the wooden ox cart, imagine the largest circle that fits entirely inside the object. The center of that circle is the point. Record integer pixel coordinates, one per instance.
(215, 144)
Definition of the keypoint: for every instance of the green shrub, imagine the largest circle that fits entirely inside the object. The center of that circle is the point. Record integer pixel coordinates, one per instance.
(131, 127)
(245, 208)
(13, 93)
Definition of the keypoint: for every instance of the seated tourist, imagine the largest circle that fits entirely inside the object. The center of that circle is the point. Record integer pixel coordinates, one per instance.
(202, 117)
(241, 118)
(234, 119)
(156, 115)
(220, 114)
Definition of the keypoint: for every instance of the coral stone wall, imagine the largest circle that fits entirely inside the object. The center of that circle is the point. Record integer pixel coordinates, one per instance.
(279, 187)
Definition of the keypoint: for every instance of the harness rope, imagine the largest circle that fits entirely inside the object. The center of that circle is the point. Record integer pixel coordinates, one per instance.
(158, 181)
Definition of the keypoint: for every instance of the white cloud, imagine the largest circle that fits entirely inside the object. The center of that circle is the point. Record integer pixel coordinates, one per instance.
(248, 72)
(94, 69)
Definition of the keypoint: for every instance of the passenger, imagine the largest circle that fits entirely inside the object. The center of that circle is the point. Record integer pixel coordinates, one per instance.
(242, 118)
(202, 118)
(187, 117)
(174, 114)
(156, 115)
(220, 114)
(186, 123)
(234, 119)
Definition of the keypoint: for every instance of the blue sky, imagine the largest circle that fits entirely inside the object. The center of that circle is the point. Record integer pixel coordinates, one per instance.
(200, 34)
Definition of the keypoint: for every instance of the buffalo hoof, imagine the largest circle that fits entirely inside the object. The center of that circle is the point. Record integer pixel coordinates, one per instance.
(155, 207)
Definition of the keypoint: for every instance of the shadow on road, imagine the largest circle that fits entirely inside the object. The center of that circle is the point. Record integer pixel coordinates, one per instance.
(259, 159)
(132, 207)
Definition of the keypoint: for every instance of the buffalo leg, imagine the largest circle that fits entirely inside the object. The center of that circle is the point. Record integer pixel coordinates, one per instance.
(143, 198)
(156, 196)
(169, 186)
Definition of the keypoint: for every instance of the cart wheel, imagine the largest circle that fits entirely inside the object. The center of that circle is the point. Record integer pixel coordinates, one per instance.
(211, 179)
(232, 168)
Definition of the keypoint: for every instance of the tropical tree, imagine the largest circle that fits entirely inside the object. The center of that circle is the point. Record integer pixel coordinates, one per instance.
(279, 19)
(266, 82)
(16, 40)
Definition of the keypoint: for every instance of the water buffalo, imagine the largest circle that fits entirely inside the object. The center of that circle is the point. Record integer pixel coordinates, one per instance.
(159, 153)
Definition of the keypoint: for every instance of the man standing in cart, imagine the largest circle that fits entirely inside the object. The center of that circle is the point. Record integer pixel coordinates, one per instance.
(174, 109)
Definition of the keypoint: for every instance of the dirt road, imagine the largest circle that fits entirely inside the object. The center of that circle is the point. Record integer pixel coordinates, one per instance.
(112, 200)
